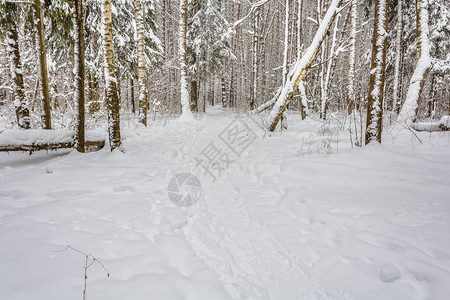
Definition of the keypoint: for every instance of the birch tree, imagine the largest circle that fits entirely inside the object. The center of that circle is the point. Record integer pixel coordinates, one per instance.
(374, 124)
(286, 41)
(186, 113)
(45, 97)
(351, 58)
(329, 65)
(79, 73)
(301, 86)
(142, 73)
(409, 110)
(285, 56)
(111, 94)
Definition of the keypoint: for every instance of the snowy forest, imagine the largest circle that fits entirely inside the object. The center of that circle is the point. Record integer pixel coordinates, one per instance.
(224, 149)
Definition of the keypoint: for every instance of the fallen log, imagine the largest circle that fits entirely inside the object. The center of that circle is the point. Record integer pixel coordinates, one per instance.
(90, 146)
(442, 125)
(35, 140)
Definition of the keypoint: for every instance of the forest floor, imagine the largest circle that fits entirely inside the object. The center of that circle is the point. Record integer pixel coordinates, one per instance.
(296, 215)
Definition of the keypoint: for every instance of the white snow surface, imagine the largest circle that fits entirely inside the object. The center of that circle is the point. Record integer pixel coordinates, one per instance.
(284, 221)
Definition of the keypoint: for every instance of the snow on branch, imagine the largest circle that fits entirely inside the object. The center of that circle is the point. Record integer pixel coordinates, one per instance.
(409, 108)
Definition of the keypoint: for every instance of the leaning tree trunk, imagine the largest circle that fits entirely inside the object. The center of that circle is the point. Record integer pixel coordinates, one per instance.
(20, 101)
(374, 124)
(79, 74)
(46, 113)
(409, 110)
(185, 102)
(142, 73)
(112, 97)
(302, 66)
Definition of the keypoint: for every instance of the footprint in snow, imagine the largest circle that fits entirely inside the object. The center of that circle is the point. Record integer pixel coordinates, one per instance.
(389, 273)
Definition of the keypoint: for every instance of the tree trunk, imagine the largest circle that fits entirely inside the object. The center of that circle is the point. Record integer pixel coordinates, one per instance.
(254, 65)
(374, 124)
(324, 108)
(112, 98)
(133, 103)
(142, 73)
(409, 109)
(223, 94)
(163, 35)
(351, 59)
(79, 74)
(194, 95)
(45, 98)
(20, 101)
(304, 110)
(302, 66)
(396, 102)
(286, 41)
(299, 29)
(303, 101)
(185, 102)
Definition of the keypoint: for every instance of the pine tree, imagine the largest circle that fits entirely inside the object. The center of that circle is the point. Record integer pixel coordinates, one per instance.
(208, 48)
(9, 25)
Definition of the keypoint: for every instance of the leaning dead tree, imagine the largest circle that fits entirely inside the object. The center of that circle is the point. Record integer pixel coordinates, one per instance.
(409, 110)
(302, 66)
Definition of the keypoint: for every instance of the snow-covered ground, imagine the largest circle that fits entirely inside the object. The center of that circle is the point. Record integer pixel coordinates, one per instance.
(298, 215)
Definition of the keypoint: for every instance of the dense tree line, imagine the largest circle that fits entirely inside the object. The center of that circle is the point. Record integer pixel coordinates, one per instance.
(58, 57)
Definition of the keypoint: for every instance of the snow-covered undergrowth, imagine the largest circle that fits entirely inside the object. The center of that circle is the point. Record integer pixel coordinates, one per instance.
(359, 223)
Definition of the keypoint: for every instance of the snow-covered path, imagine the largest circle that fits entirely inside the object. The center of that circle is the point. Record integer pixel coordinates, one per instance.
(370, 223)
